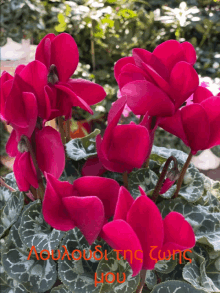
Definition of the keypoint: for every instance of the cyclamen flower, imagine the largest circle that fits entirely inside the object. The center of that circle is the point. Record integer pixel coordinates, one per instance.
(59, 56)
(50, 156)
(159, 82)
(87, 204)
(138, 226)
(198, 124)
(124, 147)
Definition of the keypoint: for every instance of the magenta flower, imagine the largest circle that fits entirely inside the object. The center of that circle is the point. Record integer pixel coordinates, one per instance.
(124, 147)
(198, 124)
(138, 226)
(86, 204)
(50, 157)
(159, 82)
(57, 58)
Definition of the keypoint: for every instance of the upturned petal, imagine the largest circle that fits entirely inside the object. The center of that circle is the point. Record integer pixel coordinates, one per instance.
(90, 92)
(124, 203)
(183, 80)
(128, 140)
(103, 188)
(143, 96)
(53, 209)
(87, 213)
(201, 94)
(120, 236)
(121, 63)
(143, 56)
(169, 53)
(12, 145)
(178, 231)
(73, 98)
(50, 152)
(189, 52)
(43, 51)
(27, 168)
(22, 183)
(35, 74)
(145, 219)
(196, 126)
(65, 55)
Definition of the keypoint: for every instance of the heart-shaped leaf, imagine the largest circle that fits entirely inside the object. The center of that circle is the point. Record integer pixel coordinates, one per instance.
(34, 231)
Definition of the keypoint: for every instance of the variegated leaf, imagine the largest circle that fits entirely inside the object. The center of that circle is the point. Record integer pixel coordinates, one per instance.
(115, 268)
(35, 275)
(82, 148)
(34, 231)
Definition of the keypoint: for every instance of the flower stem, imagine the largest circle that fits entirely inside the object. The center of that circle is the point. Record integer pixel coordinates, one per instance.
(61, 130)
(142, 281)
(141, 118)
(162, 176)
(180, 180)
(68, 130)
(2, 183)
(125, 179)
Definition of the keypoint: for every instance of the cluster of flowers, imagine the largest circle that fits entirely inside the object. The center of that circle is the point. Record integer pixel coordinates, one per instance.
(137, 225)
(153, 85)
(39, 92)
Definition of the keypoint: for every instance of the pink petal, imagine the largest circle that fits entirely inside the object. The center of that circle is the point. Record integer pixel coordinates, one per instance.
(88, 214)
(143, 56)
(214, 139)
(145, 219)
(174, 125)
(28, 170)
(75, 100)
(183, 80)
(12, 145)
(16, 104)
(126, 77)
(196, 126)
(103, 188)
(31, 112)
(53, 209)
(211, 106)
(93, 167)
(169, 52)
(43, 52)
(35, 74)
(157, 79)
(50, 152)
(189, 52)
(118, 106)
(127, 140)
(22, 183)
(177, 230)
(121, 63)
(201, 94)
(19, 68)
(143, 96)
(5, 77)
(92, 93)
(120, 236)
(65, 55)
(111, 166)
(125, 201)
